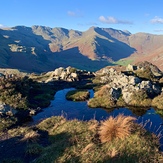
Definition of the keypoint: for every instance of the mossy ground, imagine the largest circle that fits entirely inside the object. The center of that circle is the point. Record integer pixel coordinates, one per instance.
(78, 95)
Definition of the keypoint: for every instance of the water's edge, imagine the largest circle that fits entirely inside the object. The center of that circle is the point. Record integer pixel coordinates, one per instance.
(79, 110)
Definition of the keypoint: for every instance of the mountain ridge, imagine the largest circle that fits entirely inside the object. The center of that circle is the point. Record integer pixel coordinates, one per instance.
(41, 48)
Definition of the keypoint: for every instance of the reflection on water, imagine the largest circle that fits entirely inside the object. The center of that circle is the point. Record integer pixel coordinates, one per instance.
(79, 110)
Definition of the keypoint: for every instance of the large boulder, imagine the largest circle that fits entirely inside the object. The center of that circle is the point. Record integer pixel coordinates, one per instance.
(131, 67)
(58, 71)
(126, 95)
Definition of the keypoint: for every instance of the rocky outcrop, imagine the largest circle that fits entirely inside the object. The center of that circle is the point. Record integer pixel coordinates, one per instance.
(67, 74)
(154, 69)
(126, 85)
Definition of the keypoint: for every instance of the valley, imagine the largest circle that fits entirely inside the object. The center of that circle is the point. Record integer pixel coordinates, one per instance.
(60, 88)
(43, 48)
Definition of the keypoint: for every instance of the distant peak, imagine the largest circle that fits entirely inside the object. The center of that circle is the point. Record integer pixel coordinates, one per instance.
(127, 32)
(39, 26)
(20, 28)
(93, 28)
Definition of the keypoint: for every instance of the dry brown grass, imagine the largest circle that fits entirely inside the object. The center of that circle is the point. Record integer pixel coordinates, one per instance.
(103, 91)
(113, 153)
(86, 149)
(31, 136)
(102, 98)
(78, 141)
(158, 101)
(116, 128)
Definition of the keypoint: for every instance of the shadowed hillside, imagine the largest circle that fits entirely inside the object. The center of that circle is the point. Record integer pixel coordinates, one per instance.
(40, 48)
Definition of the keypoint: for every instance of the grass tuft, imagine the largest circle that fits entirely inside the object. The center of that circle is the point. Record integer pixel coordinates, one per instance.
(116, 128)
(79, 141)
(31, 136)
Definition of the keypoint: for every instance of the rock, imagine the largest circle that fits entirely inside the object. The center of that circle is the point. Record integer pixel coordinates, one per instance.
(154, 69)
(115, 93)
(105, 71)
(126, 95)
(156, 89)
(58, 71)
(9, 113)
(6, 109)
(126, 84)
(66, 74)
(145, 84)
(74, 75)
(134, 80)
(63, 75)
(131, 67)
(32, 112)
(104, 79)
(123, 80)
(68, 69)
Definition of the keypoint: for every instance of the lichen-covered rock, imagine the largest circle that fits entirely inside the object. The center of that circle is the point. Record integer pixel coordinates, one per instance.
(131, 67)
(58, 71)
(126, 85)
(66, 74)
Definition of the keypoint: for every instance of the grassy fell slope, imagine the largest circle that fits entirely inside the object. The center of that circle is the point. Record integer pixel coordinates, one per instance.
(41, 48)
(59, 140)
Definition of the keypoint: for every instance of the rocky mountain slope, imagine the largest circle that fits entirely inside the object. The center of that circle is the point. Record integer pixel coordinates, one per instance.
(40, 48)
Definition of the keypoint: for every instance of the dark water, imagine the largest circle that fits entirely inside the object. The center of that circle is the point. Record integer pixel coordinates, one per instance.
(79, 110)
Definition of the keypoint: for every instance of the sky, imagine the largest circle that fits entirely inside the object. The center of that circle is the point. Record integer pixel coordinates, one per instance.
(132, 15)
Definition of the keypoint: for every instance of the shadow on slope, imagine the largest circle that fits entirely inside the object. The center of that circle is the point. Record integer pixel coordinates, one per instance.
(30, 51)
(16, 148)
(113, 49)
(73, 57)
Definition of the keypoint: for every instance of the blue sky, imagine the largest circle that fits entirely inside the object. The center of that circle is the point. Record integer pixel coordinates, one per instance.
(132, 15)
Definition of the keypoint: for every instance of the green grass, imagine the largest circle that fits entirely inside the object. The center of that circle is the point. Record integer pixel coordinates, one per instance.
(124, 62)
(146, 74)
(160, 112)
(158, 101)
(6, 122)
(33, 149)
(140, 99)
(78, 95)
(103, 99)
(79, 141)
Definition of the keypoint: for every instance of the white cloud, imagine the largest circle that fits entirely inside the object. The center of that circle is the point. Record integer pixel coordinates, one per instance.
(157, 20)
(91, 23)
(146, 14)
(75, 13)
(71, 13)
(1, 25)
(158, 30)
(112, 20)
